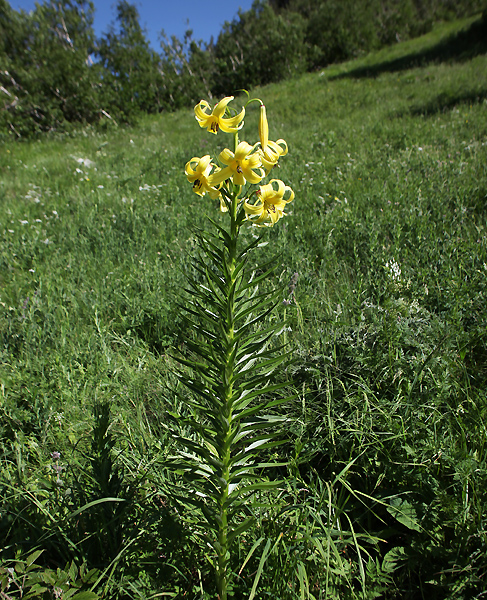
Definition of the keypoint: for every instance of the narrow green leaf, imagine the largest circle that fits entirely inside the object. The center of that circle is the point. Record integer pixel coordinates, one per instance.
(262, 562)
(262, 277)
(240, 268)
(259, 303)
(252, 340)
(250, 553)
(265, 365)
(191, 501)
(199, 450)
(258, 447)
(217, 287)
(303, 581)
(237, 532)
(94, 503)
(85, 596)
(262, 485)
(260, 318)
(207, 370)
(223, 233)
(241, 401)
(199, 390)
(251, 346)
(251, 246)
(253, 382)
(255, 410)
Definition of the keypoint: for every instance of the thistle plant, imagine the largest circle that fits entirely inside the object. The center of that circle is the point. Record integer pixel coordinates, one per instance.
(235, 350)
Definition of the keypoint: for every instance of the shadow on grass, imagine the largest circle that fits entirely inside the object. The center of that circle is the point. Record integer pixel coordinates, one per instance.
(445, 102)
(461, 46)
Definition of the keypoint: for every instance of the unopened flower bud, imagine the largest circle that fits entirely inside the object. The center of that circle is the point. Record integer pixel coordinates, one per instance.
(263, 128)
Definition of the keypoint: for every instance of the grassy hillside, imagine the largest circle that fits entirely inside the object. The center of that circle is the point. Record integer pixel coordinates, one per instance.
(385, 492)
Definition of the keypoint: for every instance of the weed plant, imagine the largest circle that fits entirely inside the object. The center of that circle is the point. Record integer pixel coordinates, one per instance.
(384, 491)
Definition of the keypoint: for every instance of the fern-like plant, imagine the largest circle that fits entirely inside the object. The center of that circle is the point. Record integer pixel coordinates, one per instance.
(233, 353)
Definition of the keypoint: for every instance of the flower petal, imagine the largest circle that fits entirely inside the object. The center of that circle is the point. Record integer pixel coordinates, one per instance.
(252, 176)
(226, 156)
(220, 176)
(232, 124)
(221, 107)
(253, 209)
(243, 150)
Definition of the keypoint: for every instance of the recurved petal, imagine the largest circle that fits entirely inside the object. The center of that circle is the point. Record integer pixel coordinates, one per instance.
(252, 176)
(262, 221)
(268, 164)
(238, 178)
(221, 107)
(220, 176)
(253, 161)
(232, 124)
(188, 169)
(204, 162)
(281, 190)
(280, 187)
(200, 114)
(253, 209)
(226, 156)
(201, 166)
(243, 149)
(280, 147)
(271, 155)
(291, 195)
(266, 190)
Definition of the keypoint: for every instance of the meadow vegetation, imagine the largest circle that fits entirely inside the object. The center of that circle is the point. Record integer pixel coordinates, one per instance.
(384, 454)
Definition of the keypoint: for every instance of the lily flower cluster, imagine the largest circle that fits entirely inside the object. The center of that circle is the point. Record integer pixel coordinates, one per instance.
(247, 164)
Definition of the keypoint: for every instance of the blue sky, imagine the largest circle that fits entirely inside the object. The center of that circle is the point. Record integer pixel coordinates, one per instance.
(206, 18)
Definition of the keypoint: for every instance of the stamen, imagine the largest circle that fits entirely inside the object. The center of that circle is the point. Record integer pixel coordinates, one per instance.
(215, 126)
(239, 169)
(197, 184)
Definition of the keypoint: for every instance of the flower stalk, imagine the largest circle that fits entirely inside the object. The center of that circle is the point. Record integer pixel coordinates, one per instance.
(236, 351)
(228, 371)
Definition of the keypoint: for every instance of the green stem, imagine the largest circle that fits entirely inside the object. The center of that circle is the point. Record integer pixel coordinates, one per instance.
(228, 369)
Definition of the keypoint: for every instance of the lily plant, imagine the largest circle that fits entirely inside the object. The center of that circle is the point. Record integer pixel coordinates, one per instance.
(228, 429)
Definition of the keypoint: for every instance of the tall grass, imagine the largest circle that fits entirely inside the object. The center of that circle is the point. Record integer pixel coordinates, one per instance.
(386, 440)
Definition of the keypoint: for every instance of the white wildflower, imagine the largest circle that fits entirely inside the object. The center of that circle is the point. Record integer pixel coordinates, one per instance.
(394, 270)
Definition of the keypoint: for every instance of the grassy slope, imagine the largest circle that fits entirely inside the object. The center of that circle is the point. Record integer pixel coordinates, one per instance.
(388, 159)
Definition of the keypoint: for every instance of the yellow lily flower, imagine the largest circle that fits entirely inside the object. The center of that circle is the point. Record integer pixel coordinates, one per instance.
(240, 166)
(272, 153)
(198, 172)
(270, 204)
(215, 120)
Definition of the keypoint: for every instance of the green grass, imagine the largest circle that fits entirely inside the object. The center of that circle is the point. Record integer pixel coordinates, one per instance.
(387, 439)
